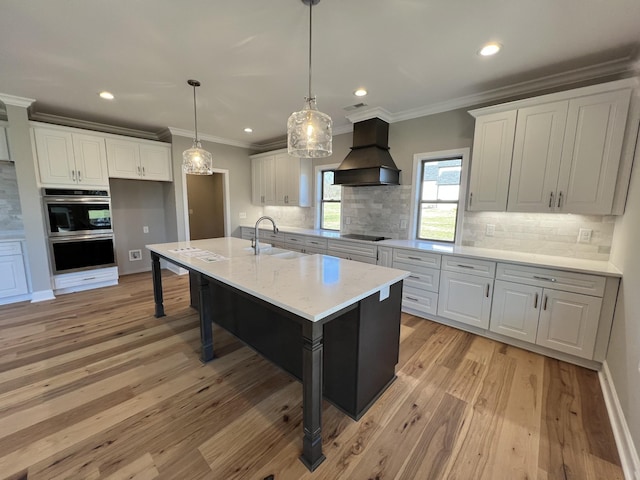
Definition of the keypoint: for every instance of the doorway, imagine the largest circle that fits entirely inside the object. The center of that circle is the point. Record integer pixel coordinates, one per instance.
(206, 206)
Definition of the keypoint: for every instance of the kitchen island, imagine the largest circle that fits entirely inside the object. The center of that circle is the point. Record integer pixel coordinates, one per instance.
(334, 324)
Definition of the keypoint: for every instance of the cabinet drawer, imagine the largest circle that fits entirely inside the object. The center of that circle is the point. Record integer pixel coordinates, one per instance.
(291, 238)
(416, 257)
(352, 248)
(269, 235)
(424, 278)
(425, 302)
(473, 266)
(10, 248)
(313, 250)
(67, 280)
(555, 279)
(247, 233)
(316, 242)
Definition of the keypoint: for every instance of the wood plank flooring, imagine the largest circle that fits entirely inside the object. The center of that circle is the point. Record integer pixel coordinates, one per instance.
(93, 386)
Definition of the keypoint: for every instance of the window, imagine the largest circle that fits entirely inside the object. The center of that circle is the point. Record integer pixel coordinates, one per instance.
(329, 202)
(439, 199)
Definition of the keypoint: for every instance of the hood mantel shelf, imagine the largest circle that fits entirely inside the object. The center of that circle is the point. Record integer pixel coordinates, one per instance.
(369, 162)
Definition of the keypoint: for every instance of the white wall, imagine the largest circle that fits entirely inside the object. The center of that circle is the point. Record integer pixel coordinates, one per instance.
(623, 357)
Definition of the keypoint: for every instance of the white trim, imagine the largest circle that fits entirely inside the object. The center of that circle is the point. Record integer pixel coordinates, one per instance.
(15, 299)
(317, 184)
(225, 200)
(103, 134)
(374, 112)
(415, 190)
(176, 269)
(626, 449)
(16, 101)
(209, 138)
(42, 295)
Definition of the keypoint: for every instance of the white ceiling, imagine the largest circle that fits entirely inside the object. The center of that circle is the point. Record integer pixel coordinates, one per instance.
(414, 56)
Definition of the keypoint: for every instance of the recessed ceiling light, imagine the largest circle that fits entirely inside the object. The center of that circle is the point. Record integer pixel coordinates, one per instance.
(248, 130)
(106, 95)
(490, 49)
(361, 92)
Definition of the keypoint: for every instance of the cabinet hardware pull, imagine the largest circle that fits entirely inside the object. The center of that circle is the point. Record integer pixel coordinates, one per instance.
(414, 276)
(551, 200)
(548, 279)
(471, 199)
(79, 176)
(487, 294)
(294, 239)
(535, 302)
(89, 278)
(415, 258)
(559, 199)
(73, 175)
(546, 297)
(144, 174)
(138, 167)
(412, 298)
(464, 266)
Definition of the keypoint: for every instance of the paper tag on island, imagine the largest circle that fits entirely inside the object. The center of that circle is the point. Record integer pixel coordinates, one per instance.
(384, 293)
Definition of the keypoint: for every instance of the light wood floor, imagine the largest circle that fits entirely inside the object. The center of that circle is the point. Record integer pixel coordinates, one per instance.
(93, 386)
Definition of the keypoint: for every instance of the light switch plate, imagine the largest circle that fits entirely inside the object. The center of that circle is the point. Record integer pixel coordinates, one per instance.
(491, 230)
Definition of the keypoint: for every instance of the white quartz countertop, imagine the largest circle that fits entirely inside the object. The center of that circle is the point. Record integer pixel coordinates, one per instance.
(548, 261)
(310, 286)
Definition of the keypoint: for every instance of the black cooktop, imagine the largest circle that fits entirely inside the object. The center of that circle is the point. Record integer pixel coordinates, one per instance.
(368, 238)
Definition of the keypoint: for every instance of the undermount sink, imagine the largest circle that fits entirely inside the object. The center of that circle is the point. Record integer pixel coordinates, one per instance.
(278, 252)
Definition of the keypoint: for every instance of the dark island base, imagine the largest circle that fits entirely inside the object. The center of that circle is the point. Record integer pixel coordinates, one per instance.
(361, 342)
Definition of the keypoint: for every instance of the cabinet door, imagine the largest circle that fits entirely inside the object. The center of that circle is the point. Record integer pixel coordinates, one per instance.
(256, 182)
(569, 322)
(536, 157)
(155, 162)
(515, 310)
(465, 298)
(591, 152)
(55, 157)
(287, 169)
(91, 160)
(12, 277)
(491, 162)
(123, 159)
(4, 148)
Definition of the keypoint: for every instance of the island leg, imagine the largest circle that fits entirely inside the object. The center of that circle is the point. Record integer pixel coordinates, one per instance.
(206, 321)
(157, 284)
(312, 455)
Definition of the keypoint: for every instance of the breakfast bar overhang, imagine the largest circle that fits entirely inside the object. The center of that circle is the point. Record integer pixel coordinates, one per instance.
(334, 324)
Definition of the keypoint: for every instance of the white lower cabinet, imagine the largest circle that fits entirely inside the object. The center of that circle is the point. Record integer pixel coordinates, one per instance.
(465, 298)
(385, 256)
(13, 281)
(536, 311)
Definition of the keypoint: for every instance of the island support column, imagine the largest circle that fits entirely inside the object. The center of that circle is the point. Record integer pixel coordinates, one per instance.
(157, 284)
(312, 455)
(206, 321)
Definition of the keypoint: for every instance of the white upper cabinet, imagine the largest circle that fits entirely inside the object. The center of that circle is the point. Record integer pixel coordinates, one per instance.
(140, 160)
(280, 179)
(591, 152)
(491, 163)
(565, 155)
(72, 159)
(4, 147)
(537, 151)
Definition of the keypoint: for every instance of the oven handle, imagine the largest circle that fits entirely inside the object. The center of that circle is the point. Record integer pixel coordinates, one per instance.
(98, 200)
(75, 238)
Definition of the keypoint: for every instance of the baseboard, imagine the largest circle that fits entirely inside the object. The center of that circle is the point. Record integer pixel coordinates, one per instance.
(15, 299)
(626, 448)
(42, 295)
(176, 269)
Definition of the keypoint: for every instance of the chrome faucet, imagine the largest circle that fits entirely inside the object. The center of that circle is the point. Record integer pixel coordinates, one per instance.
(256, 245)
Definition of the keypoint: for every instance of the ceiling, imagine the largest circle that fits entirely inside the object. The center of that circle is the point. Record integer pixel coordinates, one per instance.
(414, 57)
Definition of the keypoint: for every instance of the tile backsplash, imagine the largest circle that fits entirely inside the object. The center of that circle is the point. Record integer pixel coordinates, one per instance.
(302, 217)
(10, 211)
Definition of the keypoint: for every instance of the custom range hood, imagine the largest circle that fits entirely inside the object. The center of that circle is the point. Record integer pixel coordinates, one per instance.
(369, 162)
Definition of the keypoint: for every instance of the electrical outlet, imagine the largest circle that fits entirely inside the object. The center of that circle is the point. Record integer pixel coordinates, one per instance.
(145, 229)
(584, 236)
(347, 220)
(403, 224)
(242, 215)
(135, 255)
(491, 230)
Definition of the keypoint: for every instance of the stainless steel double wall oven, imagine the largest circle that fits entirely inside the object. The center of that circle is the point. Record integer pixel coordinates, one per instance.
(79, 229)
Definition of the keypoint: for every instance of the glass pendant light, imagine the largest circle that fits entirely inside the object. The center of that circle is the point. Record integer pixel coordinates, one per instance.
(309, 132)
(196, 160)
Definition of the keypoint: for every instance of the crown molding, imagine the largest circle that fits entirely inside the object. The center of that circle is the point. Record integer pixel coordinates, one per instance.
(16, 101)
(95, 126)
(621, 66)
(210, 138)
(343, 129)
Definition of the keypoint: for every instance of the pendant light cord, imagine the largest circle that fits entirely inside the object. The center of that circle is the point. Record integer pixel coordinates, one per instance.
(195, 113)
(310, 27)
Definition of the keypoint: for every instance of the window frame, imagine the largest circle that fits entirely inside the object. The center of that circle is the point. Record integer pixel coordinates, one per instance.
(419, 160)
(319, 171)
